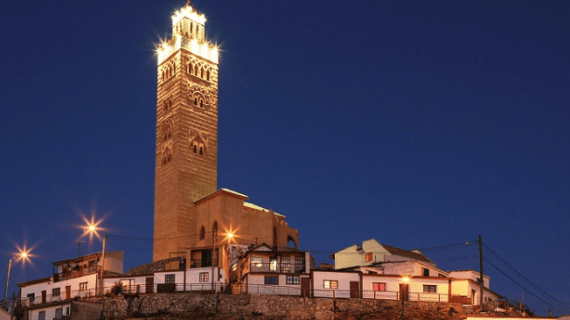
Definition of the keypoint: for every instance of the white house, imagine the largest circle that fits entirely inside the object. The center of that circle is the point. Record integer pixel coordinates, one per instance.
(50, 298)
(264, 269)
(372, 252)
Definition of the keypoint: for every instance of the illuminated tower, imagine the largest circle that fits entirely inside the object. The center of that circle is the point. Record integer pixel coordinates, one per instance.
(186, 131)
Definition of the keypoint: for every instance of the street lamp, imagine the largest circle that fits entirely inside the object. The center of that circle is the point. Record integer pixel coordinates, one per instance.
(92, 228)
(229, 237)
(24, 256)
(404, 290)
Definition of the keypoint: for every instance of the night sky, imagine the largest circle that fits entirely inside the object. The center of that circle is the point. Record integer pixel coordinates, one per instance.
(422, 124)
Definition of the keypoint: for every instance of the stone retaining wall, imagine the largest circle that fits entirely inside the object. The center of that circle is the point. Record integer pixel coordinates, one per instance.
(224, 306)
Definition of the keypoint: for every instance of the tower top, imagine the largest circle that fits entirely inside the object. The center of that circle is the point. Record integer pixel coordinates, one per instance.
(188, 32)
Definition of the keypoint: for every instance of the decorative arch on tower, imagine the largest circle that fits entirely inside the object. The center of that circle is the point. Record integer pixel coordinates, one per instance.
(199, 97)
(167, 126)
(199, 68)
(166, 155)
(198, 142)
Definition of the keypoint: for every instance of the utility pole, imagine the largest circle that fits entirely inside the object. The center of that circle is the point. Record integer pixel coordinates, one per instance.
(213, 255)
(79, 248)
(482, 282)
(8, 280)
(102, 291)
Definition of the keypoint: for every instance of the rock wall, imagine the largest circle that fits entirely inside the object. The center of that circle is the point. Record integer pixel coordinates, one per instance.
(223, 306)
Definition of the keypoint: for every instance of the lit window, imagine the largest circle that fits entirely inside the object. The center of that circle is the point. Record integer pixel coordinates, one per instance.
(428, 288)
(369, 256)
(257, 262)
(273, 264)
(83, 286)
(271, 280)
(169, 278)
(293, 280)
(299, 264)
(285, 264)
(330, 284)
(379, 286)
(204, 277)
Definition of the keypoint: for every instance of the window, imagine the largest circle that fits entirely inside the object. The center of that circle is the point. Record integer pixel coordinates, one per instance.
(202, 233)
(256, 262)
(204, 276)
(426, 272)
(169, 278)
(31, 297)
(379, 286)
(285, 264)
(55, 292)
(273, 264)
(299, 264)
(293, 280)
(234, 266)
(42, 315)
(429, 288)
(330, 284)
(83, 286)
(271, 280)
(58, 313)
(369, 256)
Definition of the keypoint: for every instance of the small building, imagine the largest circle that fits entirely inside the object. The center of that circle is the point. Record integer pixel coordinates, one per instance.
(50, 297)
(265, 269)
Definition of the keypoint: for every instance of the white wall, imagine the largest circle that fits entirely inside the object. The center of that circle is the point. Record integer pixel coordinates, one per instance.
(256, 285)
(470, 274)
(33, 314)
(343, 278)
(48, 286)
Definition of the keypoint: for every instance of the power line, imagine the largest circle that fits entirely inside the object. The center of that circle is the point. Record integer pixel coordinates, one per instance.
(525, 278)
(520, 285)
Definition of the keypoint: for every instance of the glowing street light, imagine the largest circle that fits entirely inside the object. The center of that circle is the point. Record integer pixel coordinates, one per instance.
(22, 255)
(405, 281)
(92, 228)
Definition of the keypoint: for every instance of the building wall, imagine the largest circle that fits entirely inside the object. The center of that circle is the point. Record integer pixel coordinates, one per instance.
(343, 278)
(470, 274)
(50, 312)
(48, 286)
(255, 284)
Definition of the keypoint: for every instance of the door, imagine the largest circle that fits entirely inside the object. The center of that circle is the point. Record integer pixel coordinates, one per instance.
(305, 287)
(404, 291)
(354, 289)
(67, 292)
(44, 296)
(149, 285)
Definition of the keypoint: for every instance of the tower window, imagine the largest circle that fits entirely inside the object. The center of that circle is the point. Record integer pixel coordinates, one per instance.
(201, 151)
(196, 101)
(202, 233)
(208, 75)
(202, 73)
(201, 103)
(194, 148)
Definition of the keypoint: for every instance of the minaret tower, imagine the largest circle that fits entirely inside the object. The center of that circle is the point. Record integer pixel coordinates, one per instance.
(186, 131)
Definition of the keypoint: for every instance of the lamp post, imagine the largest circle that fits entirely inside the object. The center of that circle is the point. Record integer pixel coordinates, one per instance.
(404, 290)
(229, 236)
(22, 255)
(92, 228)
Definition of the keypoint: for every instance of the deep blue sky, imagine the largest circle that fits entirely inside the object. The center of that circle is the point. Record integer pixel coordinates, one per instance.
(417, 123)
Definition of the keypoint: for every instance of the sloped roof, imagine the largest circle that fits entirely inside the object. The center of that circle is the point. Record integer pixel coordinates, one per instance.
(405, 253)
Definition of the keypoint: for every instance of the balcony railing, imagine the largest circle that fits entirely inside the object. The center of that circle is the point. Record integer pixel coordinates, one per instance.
(70, 274)
(277, 267)
(203, 263)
